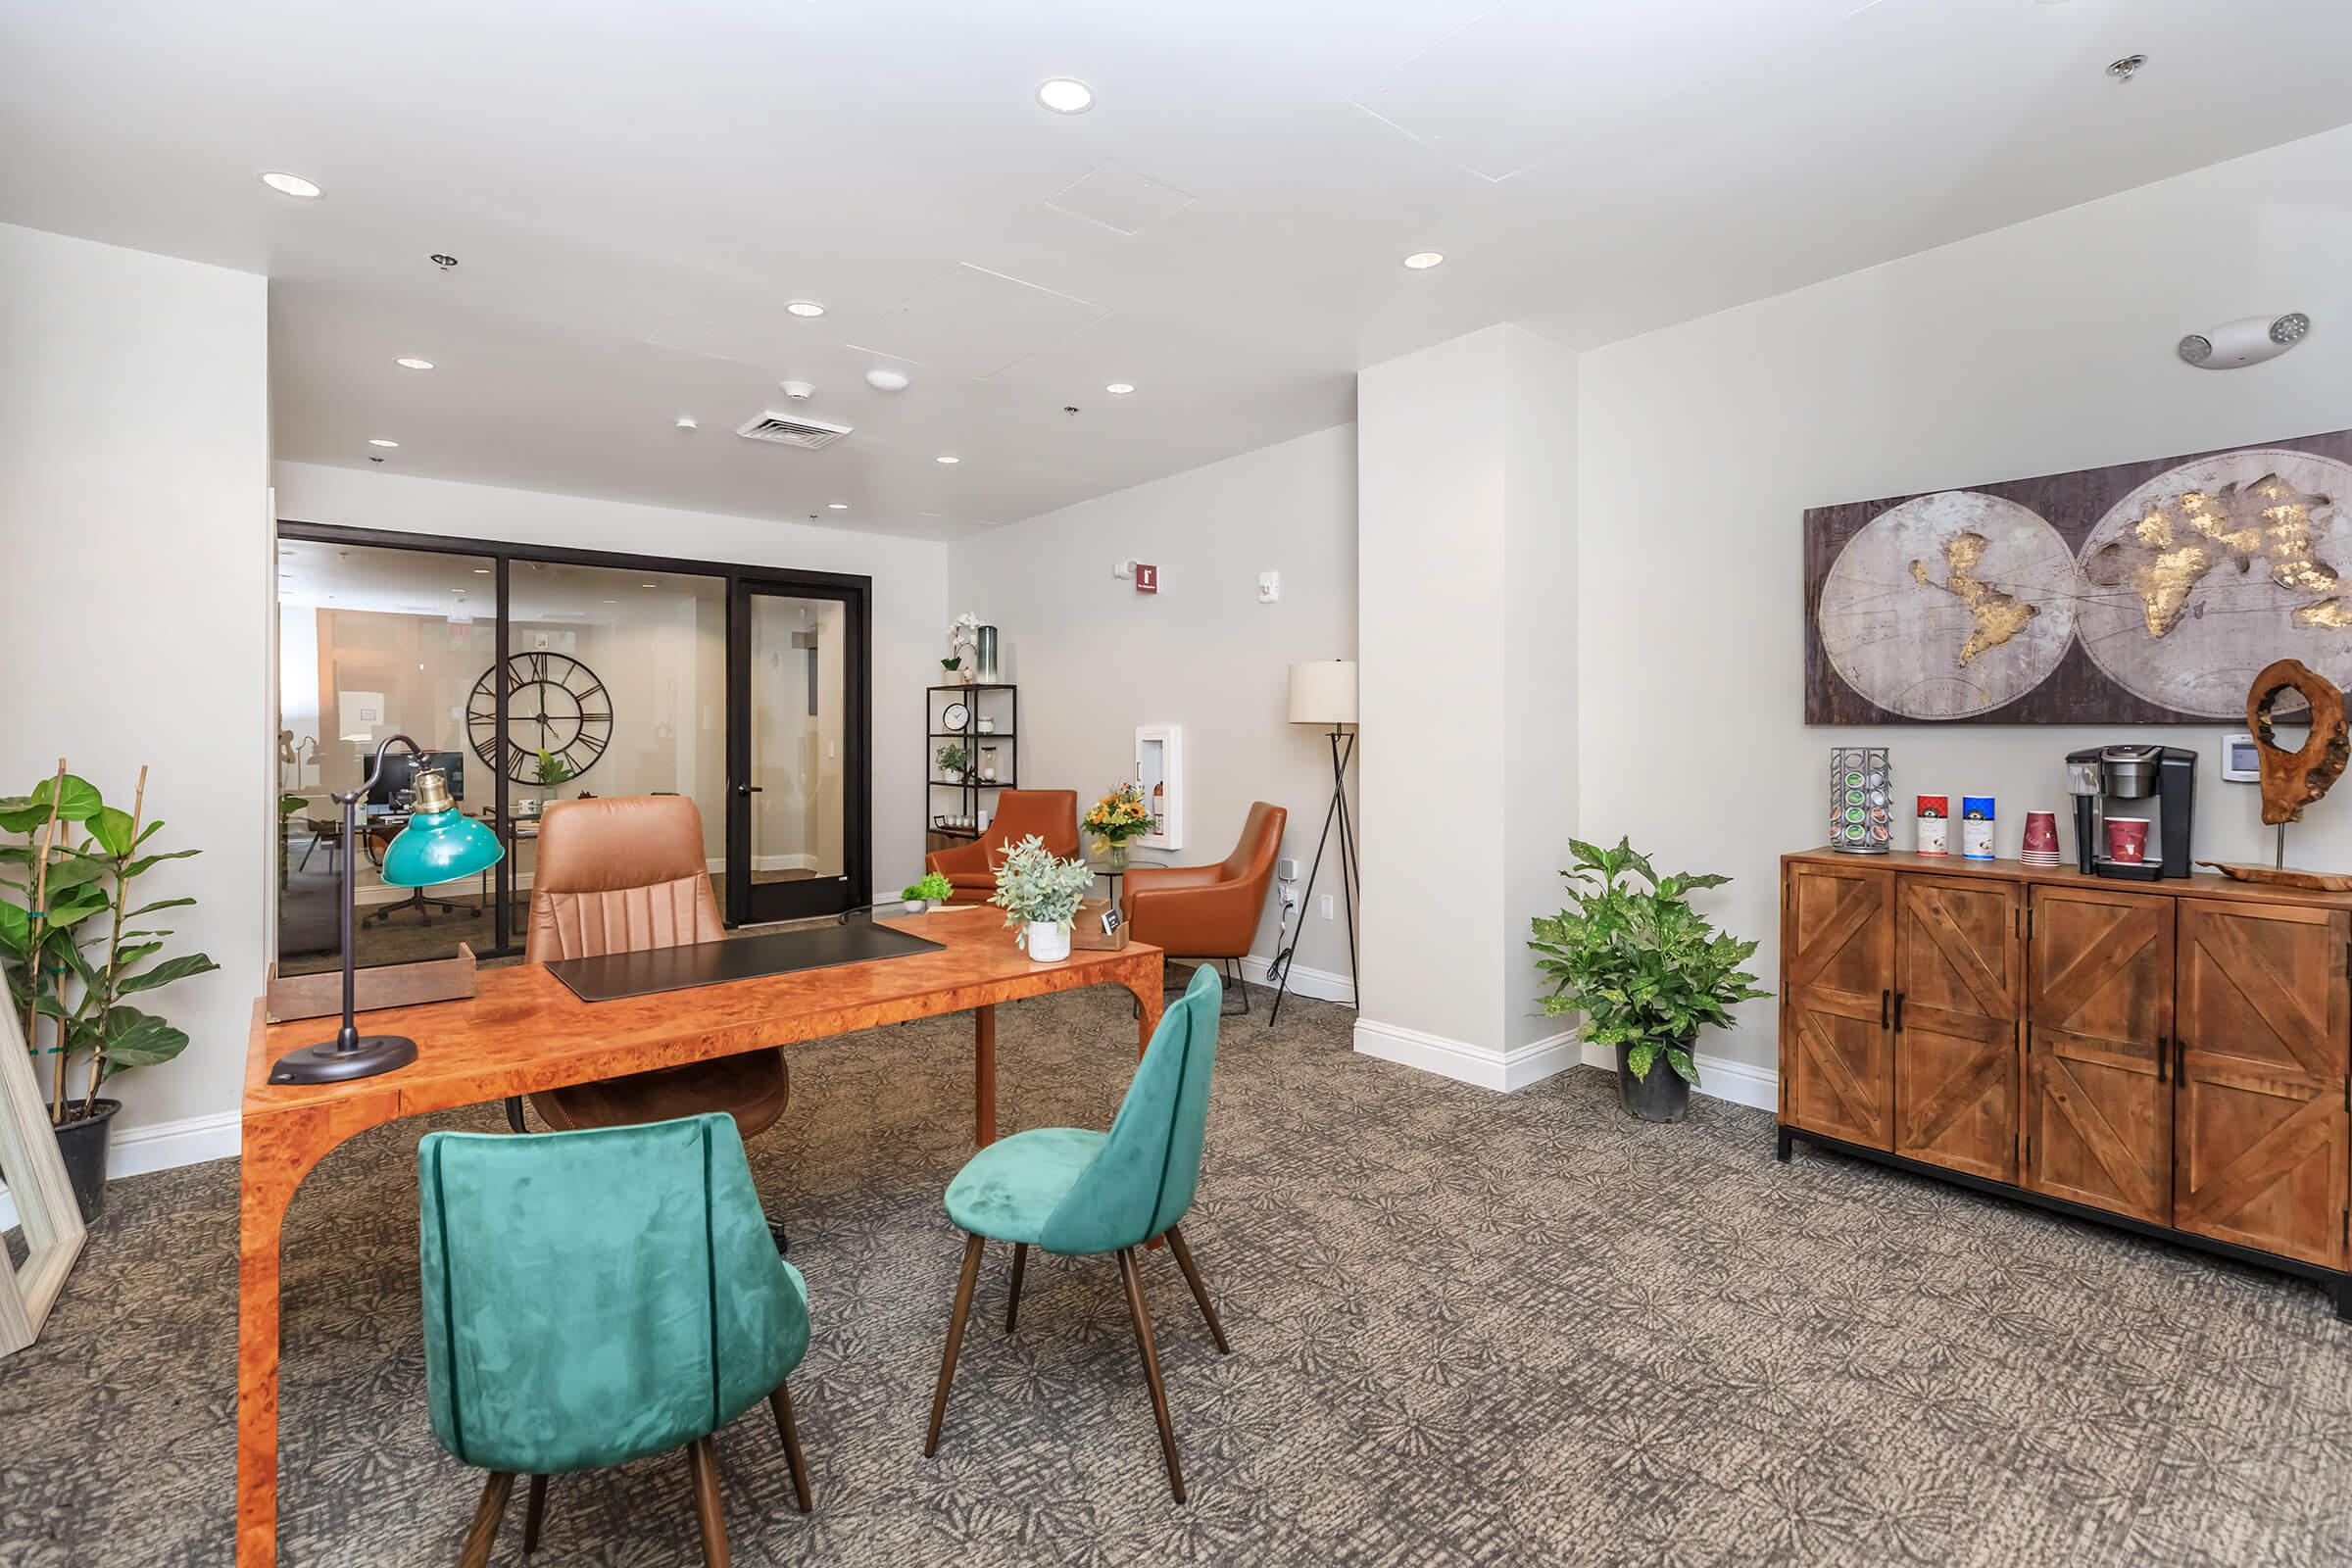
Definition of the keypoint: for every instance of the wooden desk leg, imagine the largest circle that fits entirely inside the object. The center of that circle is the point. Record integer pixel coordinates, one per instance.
(1147, 985)
(984, 1076)
(278, 1151)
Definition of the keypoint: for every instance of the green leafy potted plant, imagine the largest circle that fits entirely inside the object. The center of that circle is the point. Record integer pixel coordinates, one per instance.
(554, 771)
(1645, 970)
(71, 973)
(932, 891)
(1039, 892)
(953, 760)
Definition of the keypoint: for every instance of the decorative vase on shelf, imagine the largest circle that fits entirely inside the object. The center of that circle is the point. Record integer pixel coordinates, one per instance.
(986, 652)
(1118, 856)
(1048, 943)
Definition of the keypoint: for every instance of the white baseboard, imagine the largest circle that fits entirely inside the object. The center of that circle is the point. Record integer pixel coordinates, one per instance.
(1465, 1061)
(158, 1145)
(1320, 984)
(1738, 1082)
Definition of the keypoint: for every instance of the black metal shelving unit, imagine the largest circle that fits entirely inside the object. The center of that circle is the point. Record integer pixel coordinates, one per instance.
(968, 791)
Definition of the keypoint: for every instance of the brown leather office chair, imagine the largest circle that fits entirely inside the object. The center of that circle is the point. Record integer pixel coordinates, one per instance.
(620, 875)
(1208, 911)
(971, 869)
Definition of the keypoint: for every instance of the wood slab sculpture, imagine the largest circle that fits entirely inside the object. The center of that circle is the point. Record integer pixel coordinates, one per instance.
(2293, 780)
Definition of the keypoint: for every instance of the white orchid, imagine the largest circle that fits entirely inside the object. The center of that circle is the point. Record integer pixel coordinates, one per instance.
(964, 630)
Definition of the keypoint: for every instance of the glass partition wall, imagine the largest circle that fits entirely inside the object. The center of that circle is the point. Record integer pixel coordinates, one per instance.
(540, 677)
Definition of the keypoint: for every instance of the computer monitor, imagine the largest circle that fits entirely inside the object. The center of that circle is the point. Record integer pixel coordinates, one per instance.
(400, 775)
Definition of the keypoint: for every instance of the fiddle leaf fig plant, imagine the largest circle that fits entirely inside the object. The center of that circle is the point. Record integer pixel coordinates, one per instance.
(70, 973)
(1642, 966)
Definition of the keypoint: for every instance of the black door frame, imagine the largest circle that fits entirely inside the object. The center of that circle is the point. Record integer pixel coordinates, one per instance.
(749, 902)
(855, 589)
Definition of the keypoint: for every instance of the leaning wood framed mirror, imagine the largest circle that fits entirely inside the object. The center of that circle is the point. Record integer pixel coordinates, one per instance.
(44, 1200)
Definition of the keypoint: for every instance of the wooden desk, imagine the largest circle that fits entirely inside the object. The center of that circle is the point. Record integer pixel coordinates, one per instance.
(523, 1031)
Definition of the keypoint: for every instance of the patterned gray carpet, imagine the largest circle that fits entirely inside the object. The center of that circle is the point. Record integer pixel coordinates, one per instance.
(1467, 1329)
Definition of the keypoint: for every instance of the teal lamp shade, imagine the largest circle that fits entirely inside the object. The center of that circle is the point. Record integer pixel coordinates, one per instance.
(440, 846)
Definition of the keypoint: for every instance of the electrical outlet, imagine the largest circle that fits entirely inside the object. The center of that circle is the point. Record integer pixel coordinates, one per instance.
(1290, 895)
(1326, 912)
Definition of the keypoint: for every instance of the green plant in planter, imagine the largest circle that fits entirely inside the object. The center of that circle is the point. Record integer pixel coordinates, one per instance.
(953, 758)
(65, 965)
(932, 889)
(1037, 887)
(1644, 968)
(553, 769)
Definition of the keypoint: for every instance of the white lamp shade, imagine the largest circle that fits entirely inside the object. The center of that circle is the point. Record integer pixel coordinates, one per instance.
(1323, 692)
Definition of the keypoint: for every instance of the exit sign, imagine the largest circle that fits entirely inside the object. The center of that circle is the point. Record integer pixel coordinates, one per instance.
(1147, 578)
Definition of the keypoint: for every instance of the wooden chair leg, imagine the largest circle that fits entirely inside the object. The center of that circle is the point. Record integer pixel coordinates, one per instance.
(1012, 1297)
(702, 1462)
(1191, 1277)
(484, 1528)
(1133, 1279)
(955, 1316)
(533, 1511)
(789, 1430)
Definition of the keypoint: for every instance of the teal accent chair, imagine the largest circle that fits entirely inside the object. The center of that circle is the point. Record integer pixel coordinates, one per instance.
(1069, 1190)
(597, 1296)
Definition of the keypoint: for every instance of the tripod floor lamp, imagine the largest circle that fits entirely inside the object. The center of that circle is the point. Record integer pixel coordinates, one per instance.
(1323, 692)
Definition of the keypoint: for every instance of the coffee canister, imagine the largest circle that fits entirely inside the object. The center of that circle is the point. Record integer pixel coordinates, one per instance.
(1975, 827)
(1861, 799)
(1934, 824)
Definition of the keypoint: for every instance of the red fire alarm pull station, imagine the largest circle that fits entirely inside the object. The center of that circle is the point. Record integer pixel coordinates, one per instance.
(1147, 578)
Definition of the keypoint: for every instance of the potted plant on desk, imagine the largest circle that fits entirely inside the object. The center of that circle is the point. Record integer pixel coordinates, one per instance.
(69, 971)
(1039, 892)
(1644, 968)
(927, 894)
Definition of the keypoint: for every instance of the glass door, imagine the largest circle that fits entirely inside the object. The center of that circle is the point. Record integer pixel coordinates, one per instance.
(797, 837)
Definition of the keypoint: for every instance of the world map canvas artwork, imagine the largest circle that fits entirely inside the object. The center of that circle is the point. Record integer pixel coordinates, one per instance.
(2145, 593)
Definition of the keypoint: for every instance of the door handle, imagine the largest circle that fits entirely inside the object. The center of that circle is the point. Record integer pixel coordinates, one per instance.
(1899, 1012)
(2179, 1061)
(749, 789)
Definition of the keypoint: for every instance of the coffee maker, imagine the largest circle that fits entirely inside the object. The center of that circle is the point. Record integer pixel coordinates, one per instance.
(2138, 774)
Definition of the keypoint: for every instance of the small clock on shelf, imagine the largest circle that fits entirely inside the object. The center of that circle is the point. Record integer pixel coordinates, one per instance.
(956, 716)
(557, 712)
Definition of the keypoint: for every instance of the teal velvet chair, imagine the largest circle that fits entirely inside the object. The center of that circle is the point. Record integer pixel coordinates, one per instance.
(597, 1296)
(1069, 1190)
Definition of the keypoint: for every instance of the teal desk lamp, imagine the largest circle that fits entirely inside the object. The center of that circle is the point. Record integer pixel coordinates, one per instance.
(440, 843)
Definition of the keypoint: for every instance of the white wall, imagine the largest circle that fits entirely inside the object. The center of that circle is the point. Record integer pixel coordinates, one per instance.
(1094, 658)
(2038, 349)
(1467, 552)
(135, 472)
(910, 602)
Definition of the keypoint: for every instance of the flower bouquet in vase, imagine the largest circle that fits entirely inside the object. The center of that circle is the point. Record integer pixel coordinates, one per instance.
(1116, 818)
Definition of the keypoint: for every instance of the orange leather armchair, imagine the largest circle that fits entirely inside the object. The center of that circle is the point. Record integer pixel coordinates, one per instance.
(620, 875)
(1208, 911)
(971, 869)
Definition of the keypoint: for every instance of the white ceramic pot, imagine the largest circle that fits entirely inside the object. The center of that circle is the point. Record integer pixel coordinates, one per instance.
(1048, 943)
(918, 906)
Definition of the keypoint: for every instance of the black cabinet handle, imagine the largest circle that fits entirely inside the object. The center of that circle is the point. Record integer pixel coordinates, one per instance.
(2163, 1049)
(1883, 999)
(2179, 1061)
(1899, 1012)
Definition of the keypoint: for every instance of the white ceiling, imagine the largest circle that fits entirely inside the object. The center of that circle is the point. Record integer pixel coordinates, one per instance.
(634, 191)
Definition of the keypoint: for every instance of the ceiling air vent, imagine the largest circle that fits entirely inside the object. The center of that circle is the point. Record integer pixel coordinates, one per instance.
(790, 430)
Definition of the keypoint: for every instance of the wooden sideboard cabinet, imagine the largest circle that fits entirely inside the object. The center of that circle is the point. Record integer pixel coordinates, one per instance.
(2172, 1057)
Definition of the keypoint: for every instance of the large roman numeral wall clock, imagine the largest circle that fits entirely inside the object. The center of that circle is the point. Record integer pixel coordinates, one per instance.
(555, 707)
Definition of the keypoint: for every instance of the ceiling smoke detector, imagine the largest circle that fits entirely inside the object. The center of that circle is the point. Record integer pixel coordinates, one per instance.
(791, 430)
(798, 391)
(2248, 340)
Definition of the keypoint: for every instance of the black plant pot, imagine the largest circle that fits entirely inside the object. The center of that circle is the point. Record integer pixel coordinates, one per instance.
(84, 1144)
(1660, 1096)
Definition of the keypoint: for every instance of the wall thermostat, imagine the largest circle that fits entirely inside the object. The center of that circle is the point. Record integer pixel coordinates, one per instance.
(2241, 759)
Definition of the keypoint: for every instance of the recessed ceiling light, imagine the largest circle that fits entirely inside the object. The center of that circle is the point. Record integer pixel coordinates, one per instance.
(293, 185)
(1065, 95)
(646, 585)
(1423, 261)
(804, 307)
(944, 457)
(481, 571)
(837, 506)
(379, 441)
(1119, 388)
(2125, 68)
(886, 380)
(413, 363)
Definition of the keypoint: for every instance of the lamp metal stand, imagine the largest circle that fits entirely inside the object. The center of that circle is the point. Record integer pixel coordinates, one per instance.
(1342, 749)
(350, 1054)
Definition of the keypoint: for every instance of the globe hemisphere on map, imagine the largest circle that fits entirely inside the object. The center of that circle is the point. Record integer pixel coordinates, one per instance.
(2198, 578)
(1948, 605)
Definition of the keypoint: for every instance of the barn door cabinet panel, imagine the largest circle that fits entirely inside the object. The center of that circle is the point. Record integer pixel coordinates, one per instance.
(2172, 1058)
(1838, 990)
(1957, 975)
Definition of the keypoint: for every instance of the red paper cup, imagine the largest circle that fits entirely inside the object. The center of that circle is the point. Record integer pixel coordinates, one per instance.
(2127, 840)
(2041, 831)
